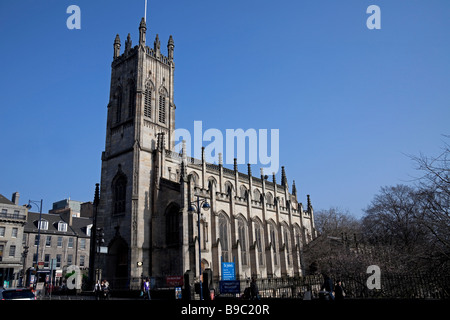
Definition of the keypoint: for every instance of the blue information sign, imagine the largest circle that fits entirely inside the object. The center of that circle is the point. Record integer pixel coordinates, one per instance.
(231, 286)
(228, 271)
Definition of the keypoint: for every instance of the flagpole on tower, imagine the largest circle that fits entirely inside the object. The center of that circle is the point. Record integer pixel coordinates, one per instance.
(145, 14)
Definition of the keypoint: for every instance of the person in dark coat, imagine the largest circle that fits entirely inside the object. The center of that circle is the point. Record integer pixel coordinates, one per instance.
(327, 285)
(339, 293)
(254, 292)
(98, 290)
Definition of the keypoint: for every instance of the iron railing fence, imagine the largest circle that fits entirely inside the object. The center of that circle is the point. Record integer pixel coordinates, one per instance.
(402, 286)
(393, 286)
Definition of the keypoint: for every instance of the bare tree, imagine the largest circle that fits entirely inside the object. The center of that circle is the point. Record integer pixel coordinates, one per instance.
(391, 228)
(409, 226)
(405, 229)
(334, 222)
(434, 191)
(335, 249)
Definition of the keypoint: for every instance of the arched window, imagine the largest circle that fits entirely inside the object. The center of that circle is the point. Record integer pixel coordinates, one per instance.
(172, 224)
(298, 236)
(259, 237)
(194, 179)
(148, 100)
(229, 191)
(212, 184)
(242, 234)
(256, 195)
(119, 193)
(162, 108)
(204, 231)
(224, 237)
(244, 193)
(228, 188)
(269, 198)
(287, 244)
(298, 242)
(273, 240)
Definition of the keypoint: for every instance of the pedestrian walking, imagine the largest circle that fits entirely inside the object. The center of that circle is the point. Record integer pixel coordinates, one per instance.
(147, 289)
(98, 290)
(254, 292)
(105, 289)
(327, 286)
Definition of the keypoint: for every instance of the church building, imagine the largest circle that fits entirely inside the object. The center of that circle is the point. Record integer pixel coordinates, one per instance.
(164, 214)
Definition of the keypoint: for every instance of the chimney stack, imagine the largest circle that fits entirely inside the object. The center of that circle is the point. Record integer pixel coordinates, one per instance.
(15, 198)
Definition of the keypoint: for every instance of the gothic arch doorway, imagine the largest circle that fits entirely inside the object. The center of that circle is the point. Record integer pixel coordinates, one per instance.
(205, 265)
(118, 263)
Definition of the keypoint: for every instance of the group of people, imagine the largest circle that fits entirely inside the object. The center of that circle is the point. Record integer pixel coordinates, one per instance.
(102, 290)
(334, 292)
(251, 292)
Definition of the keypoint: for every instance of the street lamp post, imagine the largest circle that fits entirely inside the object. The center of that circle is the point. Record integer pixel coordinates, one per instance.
(93, 236)
(36, 203)
(24, 265)
(192, 208)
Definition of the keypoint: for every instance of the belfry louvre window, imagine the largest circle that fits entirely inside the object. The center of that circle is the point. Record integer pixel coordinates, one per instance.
(148, 102)
(162, 109)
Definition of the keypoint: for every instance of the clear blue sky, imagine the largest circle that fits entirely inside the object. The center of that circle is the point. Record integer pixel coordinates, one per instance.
(349, 102)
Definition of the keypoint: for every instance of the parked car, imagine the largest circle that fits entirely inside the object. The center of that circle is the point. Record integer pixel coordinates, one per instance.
(16, 294)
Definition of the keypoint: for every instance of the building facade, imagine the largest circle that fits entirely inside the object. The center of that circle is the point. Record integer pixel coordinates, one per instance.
(148, 192)
(63, 238)
(13, 218)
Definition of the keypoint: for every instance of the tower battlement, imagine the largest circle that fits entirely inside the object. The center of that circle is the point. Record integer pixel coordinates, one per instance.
(154, 52)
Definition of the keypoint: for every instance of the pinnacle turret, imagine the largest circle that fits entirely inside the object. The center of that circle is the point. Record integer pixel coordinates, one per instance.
(116, 46)
(142, 31)
(170, 47)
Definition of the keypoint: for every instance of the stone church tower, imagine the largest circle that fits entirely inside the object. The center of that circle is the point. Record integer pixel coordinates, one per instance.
(147, 191)
(141, 119)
